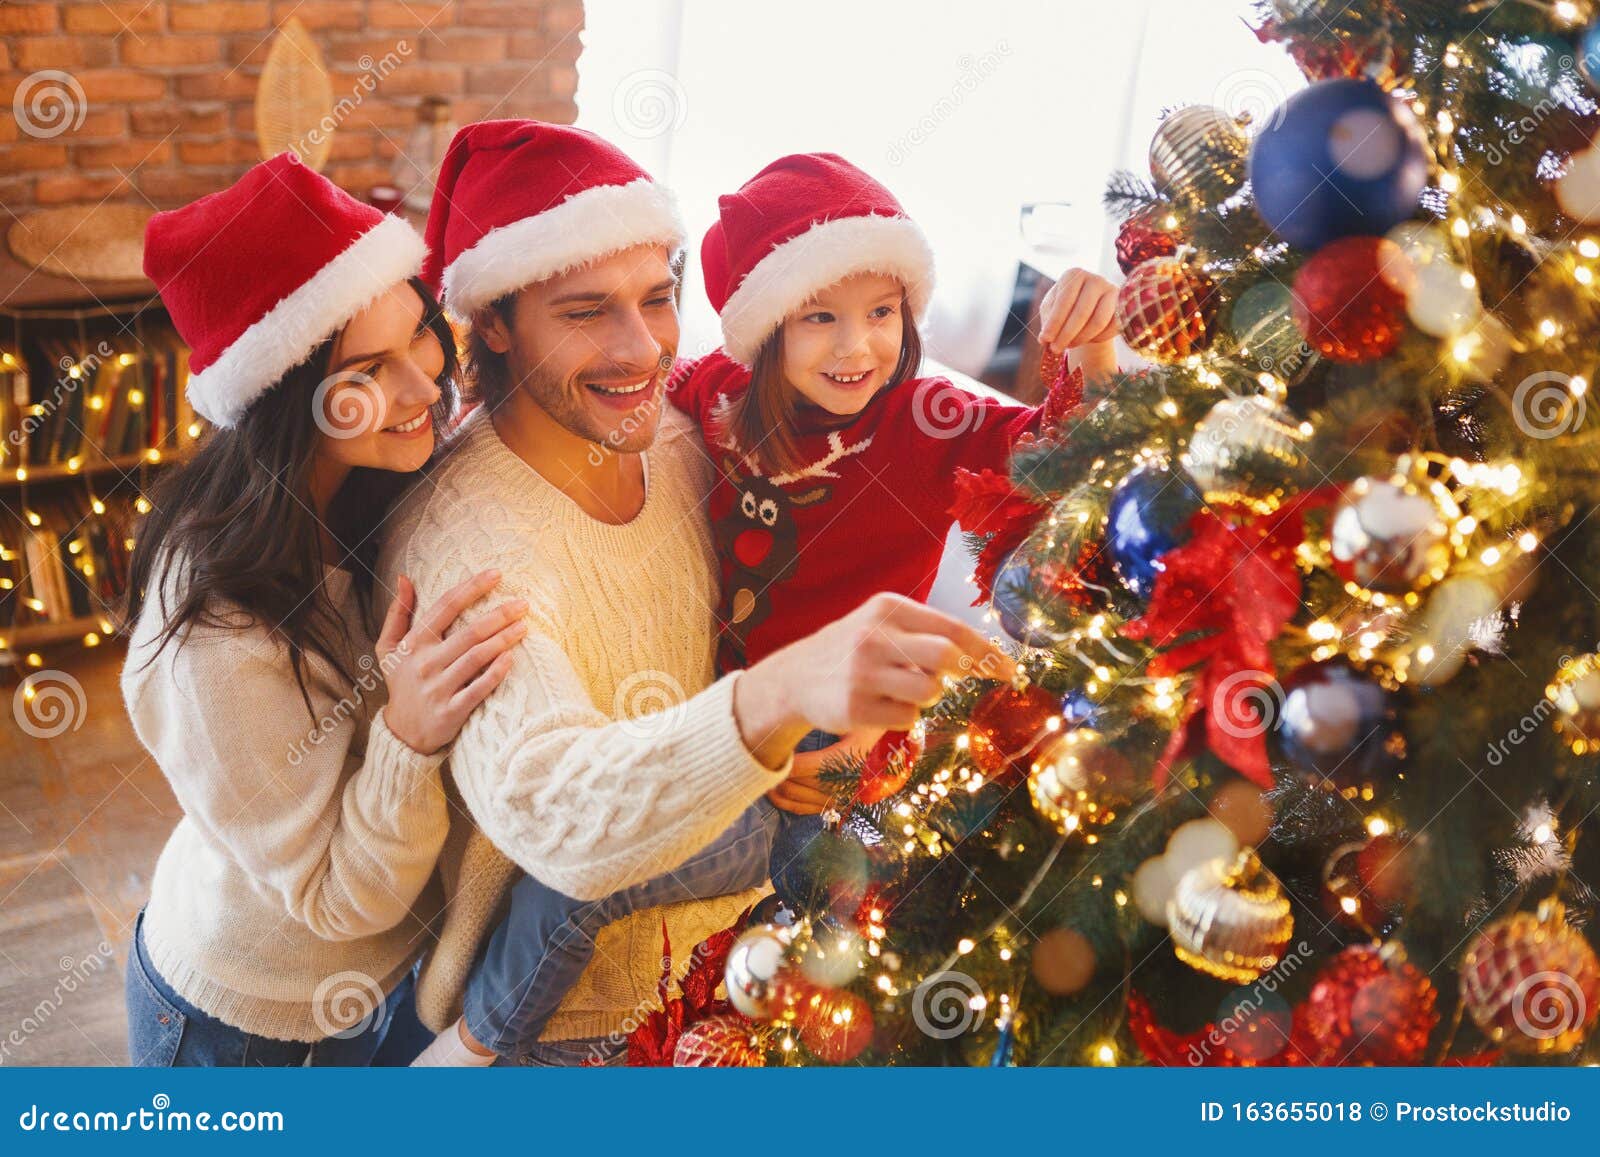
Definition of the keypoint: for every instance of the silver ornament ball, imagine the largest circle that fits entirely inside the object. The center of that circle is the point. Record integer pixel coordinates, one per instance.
(758, 972)
(1391, 535)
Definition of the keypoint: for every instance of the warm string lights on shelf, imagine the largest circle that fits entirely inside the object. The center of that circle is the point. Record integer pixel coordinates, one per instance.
(113, 415)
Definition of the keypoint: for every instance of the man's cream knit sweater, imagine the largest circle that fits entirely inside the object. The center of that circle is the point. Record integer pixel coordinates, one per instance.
(293, 894)
(608, 755)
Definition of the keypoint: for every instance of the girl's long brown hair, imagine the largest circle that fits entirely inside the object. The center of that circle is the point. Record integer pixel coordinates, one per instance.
(762, 420)
(240, 515)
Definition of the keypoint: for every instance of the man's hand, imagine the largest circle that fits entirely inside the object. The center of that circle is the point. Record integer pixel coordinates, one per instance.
(876, 668)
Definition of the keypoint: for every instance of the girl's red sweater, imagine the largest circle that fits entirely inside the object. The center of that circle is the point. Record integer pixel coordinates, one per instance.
(867, 511)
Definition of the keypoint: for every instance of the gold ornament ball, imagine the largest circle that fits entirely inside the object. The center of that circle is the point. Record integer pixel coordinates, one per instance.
(1230, 920)
(1080, 780)
(1235, 434)
(1198, 155)
(1063, 961)
(1576, 693)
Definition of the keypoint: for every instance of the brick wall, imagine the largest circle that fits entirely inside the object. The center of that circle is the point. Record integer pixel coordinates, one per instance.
(168, 85)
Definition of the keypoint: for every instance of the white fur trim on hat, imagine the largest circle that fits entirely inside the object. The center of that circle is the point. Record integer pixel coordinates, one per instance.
(587, 226)
(828, 252)
(283, 337)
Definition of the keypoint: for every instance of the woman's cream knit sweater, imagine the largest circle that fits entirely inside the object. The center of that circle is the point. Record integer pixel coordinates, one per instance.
(293, 894)
(609, 754)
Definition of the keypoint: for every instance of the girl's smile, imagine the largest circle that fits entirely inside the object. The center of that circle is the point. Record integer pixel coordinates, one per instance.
(840, 348)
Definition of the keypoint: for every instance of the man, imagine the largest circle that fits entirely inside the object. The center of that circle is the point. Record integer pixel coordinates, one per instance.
(610, 754)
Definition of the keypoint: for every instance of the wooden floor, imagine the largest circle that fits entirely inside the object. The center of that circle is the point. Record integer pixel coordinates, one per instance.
(83, 816)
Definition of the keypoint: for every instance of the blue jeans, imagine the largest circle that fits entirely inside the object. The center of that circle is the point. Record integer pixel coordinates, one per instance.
(166, 1031)
(539, 950)
(791, 847)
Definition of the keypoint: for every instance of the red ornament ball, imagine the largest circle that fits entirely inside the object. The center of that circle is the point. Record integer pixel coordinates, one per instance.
(1167, 309)
(1347, 301)
(835, 1025)
(1384, 867)
(1005, 727)
(1368, 1008)
(1532, 983)
(1141, 238)
(888, 766)
(720, 1042)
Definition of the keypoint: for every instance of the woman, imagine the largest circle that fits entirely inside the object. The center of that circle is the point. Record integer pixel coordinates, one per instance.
(288, 906)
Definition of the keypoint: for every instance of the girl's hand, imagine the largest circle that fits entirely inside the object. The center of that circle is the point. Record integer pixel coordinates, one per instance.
(434, 681)
(803, 793)
(1080, 309)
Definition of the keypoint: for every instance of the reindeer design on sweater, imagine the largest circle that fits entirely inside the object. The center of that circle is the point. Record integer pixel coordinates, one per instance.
(760, 538)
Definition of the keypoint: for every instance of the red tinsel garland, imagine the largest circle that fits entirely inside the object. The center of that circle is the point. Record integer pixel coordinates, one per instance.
(986, 503)
(1220, 600)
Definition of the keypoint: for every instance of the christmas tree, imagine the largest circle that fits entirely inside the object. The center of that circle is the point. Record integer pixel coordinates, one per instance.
(1302, 768)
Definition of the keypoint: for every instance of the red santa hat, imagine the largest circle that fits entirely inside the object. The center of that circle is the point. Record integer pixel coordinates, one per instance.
(520, 201)
(801, 224)
(258, 275)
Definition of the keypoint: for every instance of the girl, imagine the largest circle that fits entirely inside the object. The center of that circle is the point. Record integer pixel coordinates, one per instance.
(288, 906)
(838, 459)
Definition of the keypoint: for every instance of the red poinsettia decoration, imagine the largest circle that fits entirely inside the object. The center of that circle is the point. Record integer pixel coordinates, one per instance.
(1222, 598)
(987, 503)
(1348, 56)
(653, 1043)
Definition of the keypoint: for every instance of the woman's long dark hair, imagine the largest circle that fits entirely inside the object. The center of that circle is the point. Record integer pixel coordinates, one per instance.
(240, 515)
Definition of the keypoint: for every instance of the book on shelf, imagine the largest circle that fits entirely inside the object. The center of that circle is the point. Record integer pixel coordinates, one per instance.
(69, 397)
(65, 558)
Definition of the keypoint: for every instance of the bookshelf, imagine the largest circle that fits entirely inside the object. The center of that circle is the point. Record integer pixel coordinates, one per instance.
(91, 405)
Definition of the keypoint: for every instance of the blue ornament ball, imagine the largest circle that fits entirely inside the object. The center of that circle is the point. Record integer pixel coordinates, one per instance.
(1337, 724)
(1078, 710)
(1589, 54)
(1148, 516)
(1013, 601)
(1338, 159)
